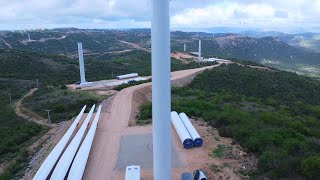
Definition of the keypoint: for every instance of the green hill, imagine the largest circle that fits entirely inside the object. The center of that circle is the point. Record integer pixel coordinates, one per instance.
(248, 48)
(272, 114)
(16, 133)
(65, 41)
(309, 41)
(59, 70)
(98, 42)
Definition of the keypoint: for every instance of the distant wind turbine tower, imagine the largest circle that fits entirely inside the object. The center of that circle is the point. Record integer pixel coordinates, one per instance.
(199, 54)
(83, 82)
(185, 47)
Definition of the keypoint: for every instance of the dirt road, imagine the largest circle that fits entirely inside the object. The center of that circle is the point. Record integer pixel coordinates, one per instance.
(27, 114)
(5, 42)
(42, 40)
(112, 52)
(112, 126)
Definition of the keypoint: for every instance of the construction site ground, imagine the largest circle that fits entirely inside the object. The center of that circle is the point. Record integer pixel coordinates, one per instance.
(117, 144)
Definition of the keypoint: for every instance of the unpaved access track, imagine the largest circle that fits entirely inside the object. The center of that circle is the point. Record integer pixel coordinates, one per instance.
(27, 114)
(113, 125)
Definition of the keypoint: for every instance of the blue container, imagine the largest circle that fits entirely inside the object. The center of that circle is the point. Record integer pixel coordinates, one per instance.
(198, 142)
(188, 143)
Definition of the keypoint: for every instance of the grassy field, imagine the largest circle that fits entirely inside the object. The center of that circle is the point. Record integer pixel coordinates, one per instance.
(274, 114)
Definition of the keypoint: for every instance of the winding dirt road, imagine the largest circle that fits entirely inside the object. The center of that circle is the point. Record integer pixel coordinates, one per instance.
(113, 125)
(30, 116)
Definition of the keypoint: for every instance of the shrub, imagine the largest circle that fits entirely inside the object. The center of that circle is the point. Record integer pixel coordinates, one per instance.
(145, 115)
(310, 167)
(59, 108)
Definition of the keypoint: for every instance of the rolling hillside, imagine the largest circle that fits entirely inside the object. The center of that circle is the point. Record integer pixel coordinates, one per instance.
(308, 41)
(100, 42)
(272, 114)
(248, 48)
(64, 41)
(60, 70)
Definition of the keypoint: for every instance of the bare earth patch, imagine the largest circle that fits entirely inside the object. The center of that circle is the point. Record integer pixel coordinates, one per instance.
(184, 57)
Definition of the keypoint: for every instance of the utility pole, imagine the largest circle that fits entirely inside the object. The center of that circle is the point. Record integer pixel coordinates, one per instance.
(161, 90)
(49, 120)
(37, 83)
(9, 97)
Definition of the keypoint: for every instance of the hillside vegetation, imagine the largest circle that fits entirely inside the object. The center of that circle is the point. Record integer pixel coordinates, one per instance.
(309, 41)
(249, 48)
(18, 73)
(293, 52)
(280, 47)
(274, 114)
(63, 104)
(64, 41)
(57, 70)
(16, 133)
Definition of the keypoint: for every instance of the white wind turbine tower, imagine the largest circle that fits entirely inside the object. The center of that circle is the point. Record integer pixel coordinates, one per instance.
(161, 90)
(199, 53)
(83, 82)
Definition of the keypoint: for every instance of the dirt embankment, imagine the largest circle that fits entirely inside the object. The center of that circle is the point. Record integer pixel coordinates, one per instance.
(139, 97)
(184, 57)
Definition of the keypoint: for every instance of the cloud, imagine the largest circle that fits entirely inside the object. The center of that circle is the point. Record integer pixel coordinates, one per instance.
(271, 14)
(281, 14)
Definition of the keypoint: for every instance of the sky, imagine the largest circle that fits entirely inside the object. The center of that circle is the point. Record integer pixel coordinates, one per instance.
(264, 15)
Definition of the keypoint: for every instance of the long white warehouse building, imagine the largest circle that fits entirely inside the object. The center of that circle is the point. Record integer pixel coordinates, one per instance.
(80, 161)
(197, 140)
(54, 155)
(65, 161)
(181, 130)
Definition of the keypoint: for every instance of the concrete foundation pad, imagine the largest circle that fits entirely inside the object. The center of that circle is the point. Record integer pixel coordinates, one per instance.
(137, 150)
(86, 84)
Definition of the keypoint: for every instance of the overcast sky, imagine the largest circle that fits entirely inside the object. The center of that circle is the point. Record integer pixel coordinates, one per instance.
(280, 15)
